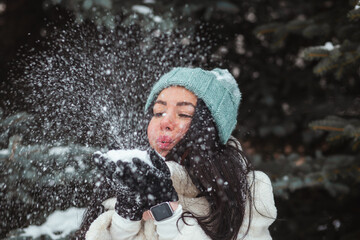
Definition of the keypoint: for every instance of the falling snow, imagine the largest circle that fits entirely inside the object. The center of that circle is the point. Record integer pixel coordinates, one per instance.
(84, 89)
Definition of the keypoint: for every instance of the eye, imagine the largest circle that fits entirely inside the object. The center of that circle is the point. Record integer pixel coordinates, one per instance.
(185, 115)
(158, 114)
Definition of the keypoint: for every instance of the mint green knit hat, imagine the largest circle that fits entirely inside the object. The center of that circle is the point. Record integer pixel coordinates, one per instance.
(217, 88)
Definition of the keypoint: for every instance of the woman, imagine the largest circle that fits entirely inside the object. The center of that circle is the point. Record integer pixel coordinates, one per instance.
(206, 189)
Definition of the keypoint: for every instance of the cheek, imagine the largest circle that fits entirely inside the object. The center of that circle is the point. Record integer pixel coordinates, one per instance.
(184, 127)
(151, 131)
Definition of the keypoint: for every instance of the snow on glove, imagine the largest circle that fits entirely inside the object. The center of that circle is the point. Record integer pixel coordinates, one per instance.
(107, 168)
(146, 185)
(158, 162)
(129, 204)
(153, 184)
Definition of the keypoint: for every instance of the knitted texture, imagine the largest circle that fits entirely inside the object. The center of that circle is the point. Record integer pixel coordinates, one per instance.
(217, 88)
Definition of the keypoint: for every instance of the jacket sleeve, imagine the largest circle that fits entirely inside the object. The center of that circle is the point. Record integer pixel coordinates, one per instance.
(175, 228)
(262, 210)
(110, 226)
(123, 229)
(169, 228)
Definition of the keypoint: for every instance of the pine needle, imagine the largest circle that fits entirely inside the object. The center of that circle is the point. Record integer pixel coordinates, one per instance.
(327, 128)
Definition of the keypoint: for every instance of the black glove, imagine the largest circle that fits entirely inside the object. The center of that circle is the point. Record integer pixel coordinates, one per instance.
(107, 168)
(152, 182)
(130, 205)
(139, 186)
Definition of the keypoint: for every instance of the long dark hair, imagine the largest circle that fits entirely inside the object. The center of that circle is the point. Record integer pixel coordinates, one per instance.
(220, 173)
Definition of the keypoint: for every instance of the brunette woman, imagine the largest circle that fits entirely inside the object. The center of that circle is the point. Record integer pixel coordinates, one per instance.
(200, 185)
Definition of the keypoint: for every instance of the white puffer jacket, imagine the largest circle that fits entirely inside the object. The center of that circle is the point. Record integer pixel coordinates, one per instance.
(110, 226)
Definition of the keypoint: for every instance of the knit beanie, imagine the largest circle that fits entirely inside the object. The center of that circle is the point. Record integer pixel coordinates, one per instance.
(217, 88)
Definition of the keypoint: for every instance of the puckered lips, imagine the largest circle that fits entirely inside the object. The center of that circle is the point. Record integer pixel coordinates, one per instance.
(164, 142)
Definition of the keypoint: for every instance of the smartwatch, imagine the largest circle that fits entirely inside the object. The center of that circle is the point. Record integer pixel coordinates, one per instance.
(161, 211)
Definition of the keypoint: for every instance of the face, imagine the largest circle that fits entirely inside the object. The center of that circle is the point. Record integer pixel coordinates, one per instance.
(172, 114)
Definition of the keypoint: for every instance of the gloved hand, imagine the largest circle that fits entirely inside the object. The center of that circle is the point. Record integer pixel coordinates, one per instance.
(106, 167)
(153, 183)
(113, 172)
(139, 186)
(129, 203)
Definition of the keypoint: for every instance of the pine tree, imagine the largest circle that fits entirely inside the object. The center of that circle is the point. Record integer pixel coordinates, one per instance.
(343, 58)
(335, 172)
(339, 129)
(37, 179)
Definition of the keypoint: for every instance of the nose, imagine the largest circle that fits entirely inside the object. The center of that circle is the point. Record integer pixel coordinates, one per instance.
(168, 122)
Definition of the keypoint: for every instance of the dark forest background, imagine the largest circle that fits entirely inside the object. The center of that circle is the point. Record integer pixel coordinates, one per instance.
(75, 76)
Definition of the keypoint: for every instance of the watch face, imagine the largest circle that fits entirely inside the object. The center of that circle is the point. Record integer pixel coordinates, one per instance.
(161, 211)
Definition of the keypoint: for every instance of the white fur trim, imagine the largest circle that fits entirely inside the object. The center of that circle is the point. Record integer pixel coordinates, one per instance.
(109, 204)
(181, 180)
(99, 229)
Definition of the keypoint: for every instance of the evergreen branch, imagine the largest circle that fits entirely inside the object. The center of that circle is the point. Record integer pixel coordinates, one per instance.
(266, 29)
(296, 25)
(352, 60)
(337, 124)
(280, 35)
(325, 66)
(354, 14)
(327, 128)
(348, 46)
(355, 147)
(317, 55)
(339, 128)
(14, 119)
(326, 177)
(333, 57)
(280, 42)
(315, 30)
(33, 165)
(339, 73)
(312, 53)
(330, 121)
(335, 138)
(328, 50)
(14, 141)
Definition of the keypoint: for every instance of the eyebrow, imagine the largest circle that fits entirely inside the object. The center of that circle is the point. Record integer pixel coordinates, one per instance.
(177, 104)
